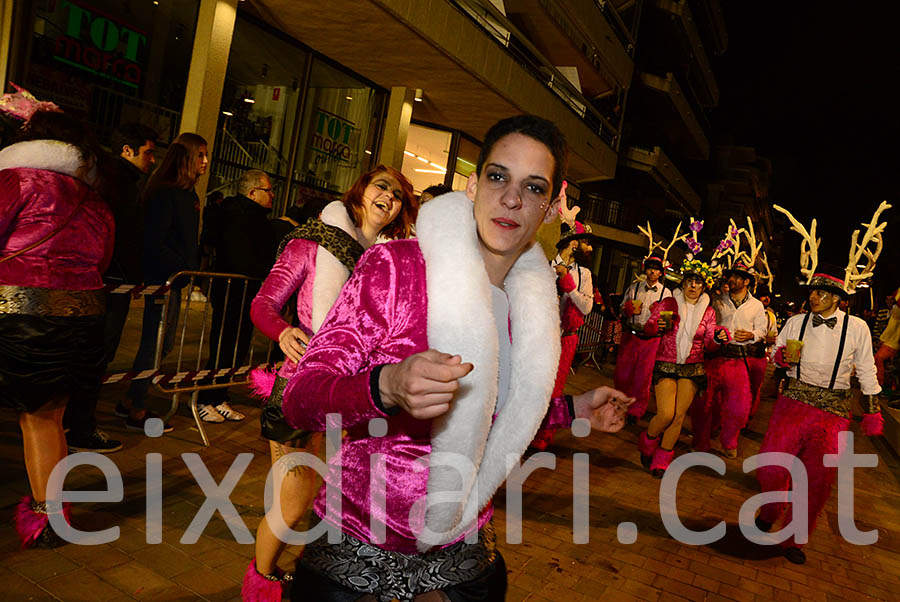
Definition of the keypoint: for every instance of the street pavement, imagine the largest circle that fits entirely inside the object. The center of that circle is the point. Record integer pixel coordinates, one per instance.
(548, 565)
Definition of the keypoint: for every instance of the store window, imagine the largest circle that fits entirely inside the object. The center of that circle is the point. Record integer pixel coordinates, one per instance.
(338, 134)
(426, 156)
(466, 161)
(110, 61)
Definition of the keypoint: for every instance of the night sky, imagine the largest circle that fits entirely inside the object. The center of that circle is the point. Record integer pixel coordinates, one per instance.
(809, 84)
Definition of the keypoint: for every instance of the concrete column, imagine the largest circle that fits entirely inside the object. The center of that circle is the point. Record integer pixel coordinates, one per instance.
(6, 34)
(396, 127)
(206, 78)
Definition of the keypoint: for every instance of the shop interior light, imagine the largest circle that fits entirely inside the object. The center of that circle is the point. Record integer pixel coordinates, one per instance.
(409, 154)
(440, 171)
(368, 152)
(418, 96)
(437, 166)
(422, 159)
(349, 97)
(228, 113)
(250, 100)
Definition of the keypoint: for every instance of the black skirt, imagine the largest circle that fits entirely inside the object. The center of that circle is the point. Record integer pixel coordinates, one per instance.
(695, 372)
(42, 357)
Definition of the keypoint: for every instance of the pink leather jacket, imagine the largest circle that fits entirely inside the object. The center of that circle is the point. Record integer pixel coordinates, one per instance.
(668, 346)
(36, 200)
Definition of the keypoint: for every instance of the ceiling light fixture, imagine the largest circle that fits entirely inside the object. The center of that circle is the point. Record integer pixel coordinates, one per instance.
(368, 152)
(228, 113)
(428, 171)
(349, 97)
(418, 96)
(250, 100)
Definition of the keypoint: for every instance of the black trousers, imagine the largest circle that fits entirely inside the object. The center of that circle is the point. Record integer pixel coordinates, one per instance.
(309, 586)
(231, 331)
(80, 416)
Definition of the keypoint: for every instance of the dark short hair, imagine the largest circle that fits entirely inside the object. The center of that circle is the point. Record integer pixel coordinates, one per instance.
(134, 135)
(436, 190)
(538, 128)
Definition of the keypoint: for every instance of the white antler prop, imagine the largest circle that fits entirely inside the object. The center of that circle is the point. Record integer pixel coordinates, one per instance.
(649, 234)
(873, 235)
(809, 246)
(675, 238)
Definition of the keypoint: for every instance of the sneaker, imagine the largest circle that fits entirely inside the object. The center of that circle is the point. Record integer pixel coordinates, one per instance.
(763, 525)
(795, 555)
(228, 413)
(730, 452)
(97, 441)
(137, 424)
(197, 296)
(209, 413)
(121, 411)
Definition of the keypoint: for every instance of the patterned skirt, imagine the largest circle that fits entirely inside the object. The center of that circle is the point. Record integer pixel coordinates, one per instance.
(695, 372)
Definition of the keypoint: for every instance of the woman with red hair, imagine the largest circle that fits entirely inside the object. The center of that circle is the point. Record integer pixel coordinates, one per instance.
(314, 261)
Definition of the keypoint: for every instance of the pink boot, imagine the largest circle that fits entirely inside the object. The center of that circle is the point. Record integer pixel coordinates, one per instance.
(661, 460)
(262, 588)
(33, 524)
(647, 446)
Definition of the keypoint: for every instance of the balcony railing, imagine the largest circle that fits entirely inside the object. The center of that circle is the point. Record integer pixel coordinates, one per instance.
(493, 22)
(609, 212)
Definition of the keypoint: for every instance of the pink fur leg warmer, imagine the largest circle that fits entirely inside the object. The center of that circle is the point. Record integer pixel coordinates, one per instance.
(261, 382)
(647, 445)
(807, 433)
(30, 523)
(256, 588)
(662, 458)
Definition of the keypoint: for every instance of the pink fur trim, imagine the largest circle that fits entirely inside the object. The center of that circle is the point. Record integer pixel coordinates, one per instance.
(261, 382)
(778, 358)
(29, 524)
(257, 588)
(647, 445)
(662, 458)
(873, 424)
(628, 309)
(567, 283)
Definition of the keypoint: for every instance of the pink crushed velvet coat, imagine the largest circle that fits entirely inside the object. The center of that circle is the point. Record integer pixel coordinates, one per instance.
(313, 273)
(668, 346)
(40, 186)
(403, 298)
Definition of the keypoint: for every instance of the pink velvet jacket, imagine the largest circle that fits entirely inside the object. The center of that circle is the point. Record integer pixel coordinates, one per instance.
(668, 346)
(38, 191)
(388, 310)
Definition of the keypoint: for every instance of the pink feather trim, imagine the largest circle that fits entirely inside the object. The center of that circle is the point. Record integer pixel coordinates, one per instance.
(873, 424)
(29, 524)
(778, 358)
(647, 445)
(257, 588)
(261, 382)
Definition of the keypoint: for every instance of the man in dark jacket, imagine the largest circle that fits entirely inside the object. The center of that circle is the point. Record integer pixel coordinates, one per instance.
(134, 147)
(243, 247)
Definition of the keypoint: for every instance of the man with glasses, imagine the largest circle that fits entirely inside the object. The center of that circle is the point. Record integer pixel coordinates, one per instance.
(243, 246)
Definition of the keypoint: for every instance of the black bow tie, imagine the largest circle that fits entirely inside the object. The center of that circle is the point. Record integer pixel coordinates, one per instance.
(650, 288)
(819, 320)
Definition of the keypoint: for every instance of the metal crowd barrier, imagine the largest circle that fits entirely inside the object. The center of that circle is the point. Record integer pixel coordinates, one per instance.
(192, 339)
(590, 340)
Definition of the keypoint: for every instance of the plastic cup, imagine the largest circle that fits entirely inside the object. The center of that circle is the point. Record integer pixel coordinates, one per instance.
(792, 351)
(667, 316)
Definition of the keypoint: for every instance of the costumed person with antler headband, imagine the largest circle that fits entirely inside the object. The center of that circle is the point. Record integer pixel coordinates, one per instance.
(687, 325)
(890, 338)
(576, 296)
(637, 351)
(821, 349)
(729, 395)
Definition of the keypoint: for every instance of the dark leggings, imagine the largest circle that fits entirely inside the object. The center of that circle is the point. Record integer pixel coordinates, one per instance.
(310, 586)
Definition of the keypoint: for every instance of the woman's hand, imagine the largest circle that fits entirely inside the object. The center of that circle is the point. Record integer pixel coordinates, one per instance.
(293, 342)
(605, 407)
(742, 336)
(721, 336)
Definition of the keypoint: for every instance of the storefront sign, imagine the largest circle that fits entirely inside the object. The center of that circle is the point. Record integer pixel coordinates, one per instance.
(99, 43)
(331, 137)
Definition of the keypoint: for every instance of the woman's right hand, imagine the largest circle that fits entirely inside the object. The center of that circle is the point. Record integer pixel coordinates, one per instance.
(292, 342)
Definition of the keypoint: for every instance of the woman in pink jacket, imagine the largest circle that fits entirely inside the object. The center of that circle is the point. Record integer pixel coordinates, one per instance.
(56, 239)
(688, 324)
(314, 262)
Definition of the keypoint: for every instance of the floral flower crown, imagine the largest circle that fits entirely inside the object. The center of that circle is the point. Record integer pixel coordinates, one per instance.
(700, 268)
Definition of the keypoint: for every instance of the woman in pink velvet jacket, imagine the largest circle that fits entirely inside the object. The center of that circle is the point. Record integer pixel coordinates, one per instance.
(439, 359)
(688, 324)
(314, 262)
(56, 239)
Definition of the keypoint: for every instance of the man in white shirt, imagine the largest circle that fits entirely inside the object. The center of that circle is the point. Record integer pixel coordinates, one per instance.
(729, 393)
(576, 299)
(637, 352)
(815, 404)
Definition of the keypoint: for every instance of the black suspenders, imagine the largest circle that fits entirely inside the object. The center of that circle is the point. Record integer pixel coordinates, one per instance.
(840, 353)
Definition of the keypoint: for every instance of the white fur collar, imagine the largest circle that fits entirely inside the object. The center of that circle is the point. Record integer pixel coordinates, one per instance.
(331, 274)
(460, 321)
(51, 155)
